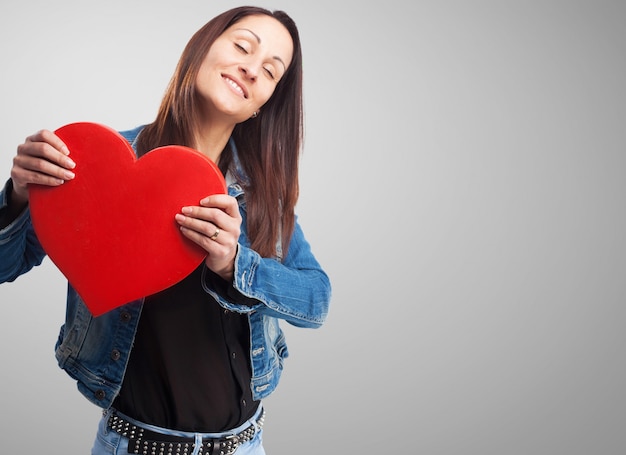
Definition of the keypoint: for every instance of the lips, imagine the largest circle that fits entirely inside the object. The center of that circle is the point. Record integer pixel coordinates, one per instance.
(236, 86)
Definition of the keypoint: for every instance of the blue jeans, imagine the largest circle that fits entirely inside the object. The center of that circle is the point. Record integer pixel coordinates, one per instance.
(109, 442)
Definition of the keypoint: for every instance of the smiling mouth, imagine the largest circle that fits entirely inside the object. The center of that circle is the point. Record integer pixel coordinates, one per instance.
(236, 86)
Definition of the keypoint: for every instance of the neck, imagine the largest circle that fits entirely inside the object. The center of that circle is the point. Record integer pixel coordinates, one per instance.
(211, 138)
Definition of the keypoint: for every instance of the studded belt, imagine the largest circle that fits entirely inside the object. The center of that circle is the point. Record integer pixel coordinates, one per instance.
(147, 442)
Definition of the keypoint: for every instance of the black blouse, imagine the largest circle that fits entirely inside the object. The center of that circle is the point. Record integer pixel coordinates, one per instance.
(189, 368)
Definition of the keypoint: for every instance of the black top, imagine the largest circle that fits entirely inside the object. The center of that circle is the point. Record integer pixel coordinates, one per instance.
(189, 368)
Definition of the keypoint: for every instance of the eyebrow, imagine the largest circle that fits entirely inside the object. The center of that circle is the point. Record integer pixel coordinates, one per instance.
(258, 38)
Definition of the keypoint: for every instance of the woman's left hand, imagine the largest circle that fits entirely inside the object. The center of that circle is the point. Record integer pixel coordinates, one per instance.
(215, 225)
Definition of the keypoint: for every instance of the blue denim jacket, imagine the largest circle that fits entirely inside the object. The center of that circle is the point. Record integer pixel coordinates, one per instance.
(95, 351)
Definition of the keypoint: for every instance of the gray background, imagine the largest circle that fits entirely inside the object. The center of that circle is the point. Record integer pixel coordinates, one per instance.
(462, 182)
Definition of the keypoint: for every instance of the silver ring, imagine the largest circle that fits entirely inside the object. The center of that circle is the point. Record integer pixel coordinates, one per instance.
(215, 234)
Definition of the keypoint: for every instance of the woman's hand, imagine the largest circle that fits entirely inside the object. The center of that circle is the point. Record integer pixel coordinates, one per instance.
(215, 225)
(42, 159)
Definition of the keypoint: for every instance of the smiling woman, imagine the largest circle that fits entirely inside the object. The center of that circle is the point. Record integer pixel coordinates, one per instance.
(185, 370)
(250, 57)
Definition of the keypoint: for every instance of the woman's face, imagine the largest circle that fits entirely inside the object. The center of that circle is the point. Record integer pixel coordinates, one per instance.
(242, 67)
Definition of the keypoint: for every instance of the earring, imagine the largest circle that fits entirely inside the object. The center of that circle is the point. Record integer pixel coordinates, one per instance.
(255, 114)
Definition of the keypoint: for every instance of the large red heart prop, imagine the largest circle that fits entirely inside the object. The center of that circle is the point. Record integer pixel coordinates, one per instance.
(111, 230)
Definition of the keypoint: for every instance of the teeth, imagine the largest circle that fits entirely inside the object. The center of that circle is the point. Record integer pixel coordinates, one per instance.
(234, 85)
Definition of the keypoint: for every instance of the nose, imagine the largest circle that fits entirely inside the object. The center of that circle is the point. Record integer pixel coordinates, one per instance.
(249, 71)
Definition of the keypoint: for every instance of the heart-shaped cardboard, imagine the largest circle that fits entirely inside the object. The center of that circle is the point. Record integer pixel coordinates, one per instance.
(111, 230)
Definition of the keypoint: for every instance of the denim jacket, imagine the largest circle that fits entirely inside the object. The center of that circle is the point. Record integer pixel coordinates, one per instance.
(95, 350)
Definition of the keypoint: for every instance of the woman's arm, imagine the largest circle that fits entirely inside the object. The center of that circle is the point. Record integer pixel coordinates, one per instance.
(42, 159)
(297, 289)
(20, 250)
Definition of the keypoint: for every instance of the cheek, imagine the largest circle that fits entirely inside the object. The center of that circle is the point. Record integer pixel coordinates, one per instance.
(210, 61)
(267, 92)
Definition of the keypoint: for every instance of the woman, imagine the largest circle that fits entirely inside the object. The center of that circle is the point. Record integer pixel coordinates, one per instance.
(185, 370)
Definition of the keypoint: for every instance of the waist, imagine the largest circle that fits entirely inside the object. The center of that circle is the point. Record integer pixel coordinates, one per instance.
(146, 438)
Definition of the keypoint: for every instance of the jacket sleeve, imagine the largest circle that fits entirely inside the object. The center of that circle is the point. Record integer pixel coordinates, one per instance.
(296, 289)
(20, 249)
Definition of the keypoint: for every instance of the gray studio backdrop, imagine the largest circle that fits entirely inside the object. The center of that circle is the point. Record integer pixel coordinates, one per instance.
(462, 182)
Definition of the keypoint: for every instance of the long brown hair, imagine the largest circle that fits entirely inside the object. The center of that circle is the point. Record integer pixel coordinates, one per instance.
(268, 146)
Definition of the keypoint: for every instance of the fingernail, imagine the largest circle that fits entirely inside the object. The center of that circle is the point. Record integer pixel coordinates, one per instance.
(186, 210)
(179, 217)
(71, 164)
(65, 150)
(69, 175)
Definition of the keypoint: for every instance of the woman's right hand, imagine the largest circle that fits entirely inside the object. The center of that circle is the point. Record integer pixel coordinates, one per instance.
(42, 159)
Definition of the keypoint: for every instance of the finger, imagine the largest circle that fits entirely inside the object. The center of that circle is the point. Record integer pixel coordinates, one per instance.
(21, 178)
(210, 245)
(210, 219)
(50, 138)
(211, 214)
(37, 170)
(47, 151)
(203, 227)
(223, 202)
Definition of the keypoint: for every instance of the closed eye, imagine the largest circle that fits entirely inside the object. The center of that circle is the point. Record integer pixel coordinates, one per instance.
(241, 48)
(269, 73)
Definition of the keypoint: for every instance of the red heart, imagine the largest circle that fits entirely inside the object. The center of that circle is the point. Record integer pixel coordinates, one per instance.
(111, 230)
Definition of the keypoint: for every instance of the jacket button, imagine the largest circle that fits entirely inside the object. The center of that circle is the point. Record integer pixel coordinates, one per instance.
(100, 394)
(125, 316)
(115, 354)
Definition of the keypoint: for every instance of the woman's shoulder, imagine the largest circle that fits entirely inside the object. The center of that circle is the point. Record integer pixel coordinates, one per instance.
(131, 135)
